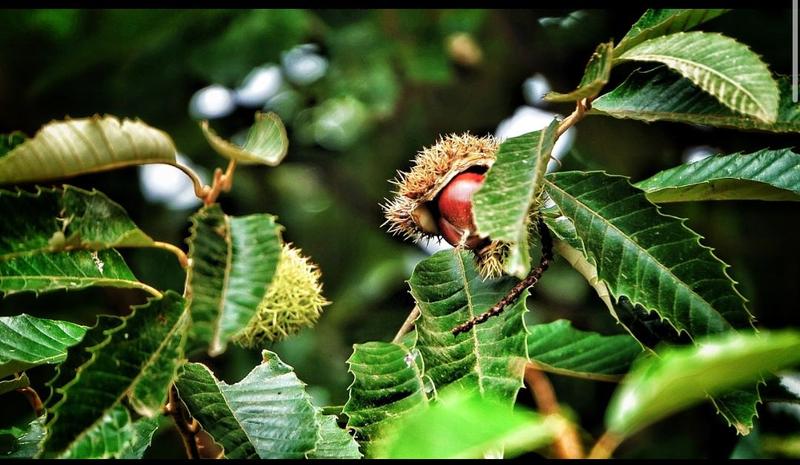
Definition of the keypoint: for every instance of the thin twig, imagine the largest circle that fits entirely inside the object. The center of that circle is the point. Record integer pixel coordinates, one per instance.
(407, 325)
(186, 425)
(222, 183)
(568, 444)
(581, 107)
(605, 446)
(532, 278)
(182, 258)
(33, 398)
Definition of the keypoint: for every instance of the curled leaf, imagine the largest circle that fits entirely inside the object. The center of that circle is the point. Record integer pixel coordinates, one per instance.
(266, 141)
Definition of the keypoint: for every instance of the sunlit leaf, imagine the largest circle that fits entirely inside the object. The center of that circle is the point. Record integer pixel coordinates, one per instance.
(662, 95)
(78, 146)
(680, 377)
(467, 425)
(266, 142)
(719, 65)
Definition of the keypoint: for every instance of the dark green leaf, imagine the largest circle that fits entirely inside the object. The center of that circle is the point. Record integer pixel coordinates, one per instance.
(502, 205)
(762, 175)
(595, 77)
(268, 414)
(71, 270)
(557, 347)
(26, 342)
(681, 377)
(52, 220)
(388, 382)
(652, 259)
(266, 142)
(654, 23)
(24, 443)
(9, 141)
(661, 94)
(135, 361)
(719, 65)
(233, 262)
(78, 146)
(489, 358)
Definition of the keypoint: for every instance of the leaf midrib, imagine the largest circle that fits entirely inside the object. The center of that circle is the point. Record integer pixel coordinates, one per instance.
(217, 343)
(474, 330)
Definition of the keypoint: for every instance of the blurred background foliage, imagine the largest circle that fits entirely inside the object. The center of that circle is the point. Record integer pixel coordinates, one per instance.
(361, 91)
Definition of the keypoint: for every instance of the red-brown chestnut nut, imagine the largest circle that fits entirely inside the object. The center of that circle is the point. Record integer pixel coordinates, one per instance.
(455, 210)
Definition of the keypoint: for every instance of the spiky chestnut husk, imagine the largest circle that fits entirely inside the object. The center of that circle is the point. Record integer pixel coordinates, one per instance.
(293, 301)
(413, 211)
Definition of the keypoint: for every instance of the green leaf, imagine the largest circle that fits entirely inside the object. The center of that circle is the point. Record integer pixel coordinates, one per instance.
(557, 347)
(142, 430)
(654, 23)
(467, 425)
(24, 442)
(73, 270)
(63, 219)
(388, 383)
(132, 366)
(78, 146)
(502, 205)
(266, 142)
(233, 262)
(719, 65)
(595, 76)
(738, 408)
(489, 358)
(268, 414)
(334, 442)
(652, 259)
(26, 342)
(661, 94)
(9, 141)
(762, 175)
(680, 377)
(13, 383)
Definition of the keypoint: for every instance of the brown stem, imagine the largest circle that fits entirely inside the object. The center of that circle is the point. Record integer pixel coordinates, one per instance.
(407, 325)
(581, 107)
(186, 425)
(532, 278)
(33, 398)
(222, 183)
(605, 446)
(568, 444)
(177, 251)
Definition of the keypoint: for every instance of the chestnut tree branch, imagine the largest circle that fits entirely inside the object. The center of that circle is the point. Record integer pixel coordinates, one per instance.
(33, 399)
(568, 444)
(186, 425)
(512, 296)
(605, 446)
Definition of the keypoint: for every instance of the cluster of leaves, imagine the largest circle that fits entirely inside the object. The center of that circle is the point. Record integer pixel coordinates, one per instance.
(431, 394)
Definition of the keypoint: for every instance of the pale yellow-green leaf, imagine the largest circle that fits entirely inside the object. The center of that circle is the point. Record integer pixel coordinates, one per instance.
(266, 141)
